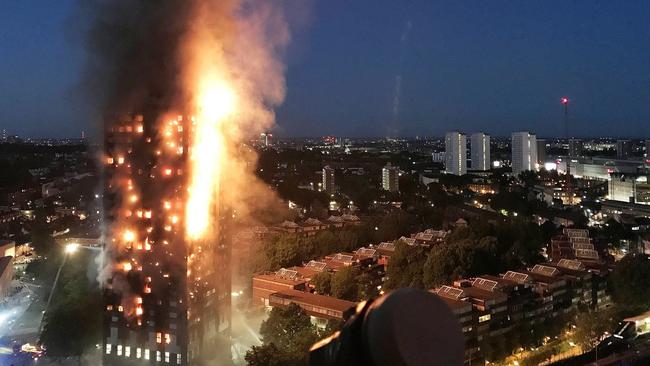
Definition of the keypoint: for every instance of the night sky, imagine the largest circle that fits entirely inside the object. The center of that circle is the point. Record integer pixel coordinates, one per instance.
(495, 66)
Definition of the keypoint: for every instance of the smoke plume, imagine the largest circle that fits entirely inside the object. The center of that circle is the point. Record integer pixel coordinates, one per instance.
(397, 94)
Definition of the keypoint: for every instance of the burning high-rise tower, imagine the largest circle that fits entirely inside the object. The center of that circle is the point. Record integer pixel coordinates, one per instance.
(186, 82)
(168, 299)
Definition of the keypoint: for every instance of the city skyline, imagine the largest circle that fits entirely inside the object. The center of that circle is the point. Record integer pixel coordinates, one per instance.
(344, 81)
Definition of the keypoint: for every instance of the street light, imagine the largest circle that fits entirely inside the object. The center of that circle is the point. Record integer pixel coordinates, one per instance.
(71, 248)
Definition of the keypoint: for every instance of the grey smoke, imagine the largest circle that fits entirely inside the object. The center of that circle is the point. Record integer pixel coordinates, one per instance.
(397, 94)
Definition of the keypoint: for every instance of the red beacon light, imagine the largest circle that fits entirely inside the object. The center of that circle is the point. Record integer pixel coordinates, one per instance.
(564, 100)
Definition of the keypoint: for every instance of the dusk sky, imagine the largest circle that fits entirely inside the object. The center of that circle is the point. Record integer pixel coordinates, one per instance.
(495, 66)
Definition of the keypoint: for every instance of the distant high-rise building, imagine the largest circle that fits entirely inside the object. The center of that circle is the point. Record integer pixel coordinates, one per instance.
(524, 152)
(456, 153)
(3, 137)
(623, 149)
(629, 188)
(328, 179)
(647, 149)
(390, 178)
(575, 148)
(541, 152)
(265, 139)
(438, 157)
(480, 149)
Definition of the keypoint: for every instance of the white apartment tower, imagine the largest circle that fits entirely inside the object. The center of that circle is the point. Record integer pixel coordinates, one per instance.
(456, 153)
(390, 178)
(524, 152)
(328, 179)
(480, 149)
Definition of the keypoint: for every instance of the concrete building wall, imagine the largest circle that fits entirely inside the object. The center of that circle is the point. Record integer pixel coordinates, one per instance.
(456, 153)
(524, 152)
(480, 150)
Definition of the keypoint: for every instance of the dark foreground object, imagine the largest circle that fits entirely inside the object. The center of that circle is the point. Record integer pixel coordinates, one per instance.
(406, 327)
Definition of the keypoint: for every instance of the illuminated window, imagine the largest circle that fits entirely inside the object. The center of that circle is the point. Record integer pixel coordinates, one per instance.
(127, 351)
(108, 349)
(168, 338)
(138, 352)
(120, 160)
(146, 354)
(158, 337)
(119, 350)
(158, 358)
(178, 359)
(167, 357)
(109, 307)
(483, 318)
(109, 160)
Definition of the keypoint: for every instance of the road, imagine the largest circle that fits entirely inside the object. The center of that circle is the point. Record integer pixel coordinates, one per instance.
(20, 323)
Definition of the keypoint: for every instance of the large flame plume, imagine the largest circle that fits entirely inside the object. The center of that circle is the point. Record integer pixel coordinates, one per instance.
(233, 75)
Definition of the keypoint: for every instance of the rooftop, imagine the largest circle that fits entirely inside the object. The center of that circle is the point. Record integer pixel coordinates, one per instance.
(456, 305)
(271, 277)
(386, 246)
(366, 252)
(327, 302)
(480, 293)
(312, 222)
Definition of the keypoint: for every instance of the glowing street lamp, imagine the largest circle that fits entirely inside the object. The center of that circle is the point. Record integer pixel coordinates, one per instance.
(71, 248)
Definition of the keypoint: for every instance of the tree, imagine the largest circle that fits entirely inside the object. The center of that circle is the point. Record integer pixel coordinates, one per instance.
(290, 330)
(72, 324)
(613, 232)
(344, 284)
(72, 327)
(284, 251)
(590, 326)
(318, 209)
(462, 255)
(630, 282)
(405, 266)
(266, 355)
(322, 282)
(41, 235)
(367, 286)
(441, 266)
(321, 244)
